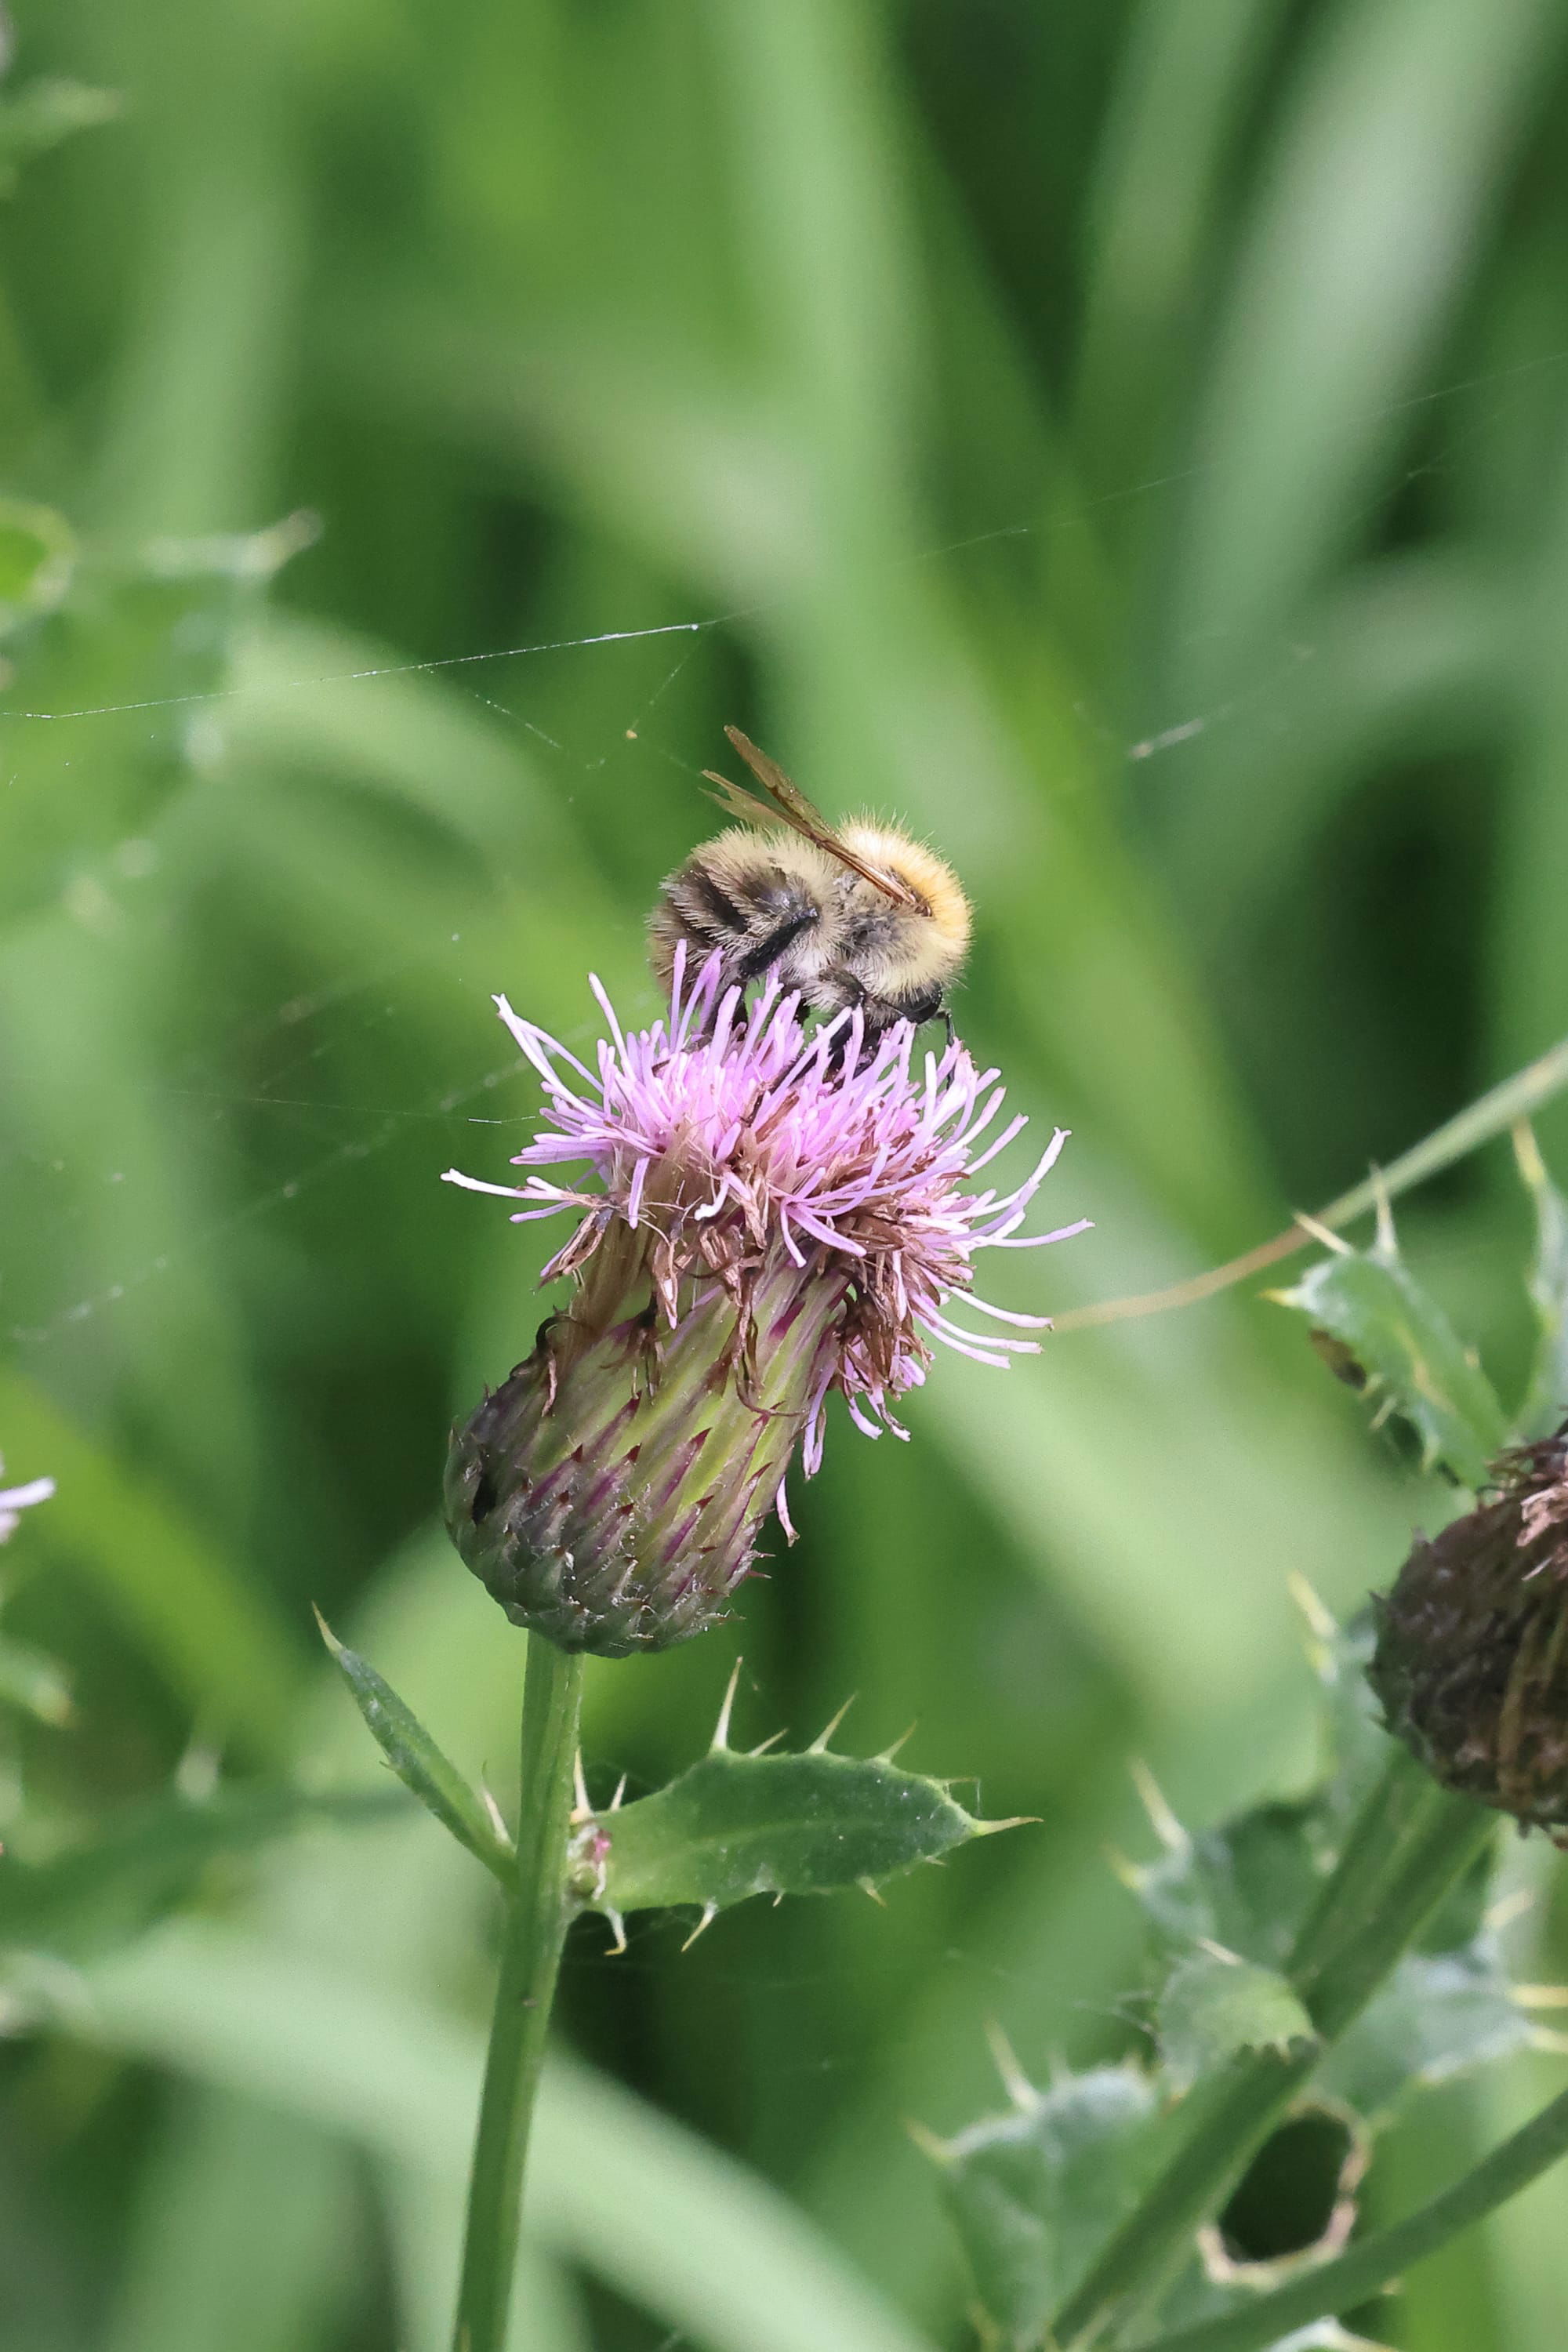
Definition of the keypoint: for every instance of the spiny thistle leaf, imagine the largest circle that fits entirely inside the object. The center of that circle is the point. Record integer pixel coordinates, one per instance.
(418, 1762)
(1244, 1885)
(1398, 1344)
(1211, 2007)
(148, 1858)
(1247, 1884)
(1439, 2015)
(1546, 1396)
(733, 1825)
(1034, 2193)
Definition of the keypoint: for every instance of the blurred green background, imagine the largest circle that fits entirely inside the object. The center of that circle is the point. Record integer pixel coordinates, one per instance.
(1131, 442)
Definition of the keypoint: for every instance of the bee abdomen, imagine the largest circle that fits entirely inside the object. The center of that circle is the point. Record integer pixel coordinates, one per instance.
(704, 906)
(752, 917)
(735, 910)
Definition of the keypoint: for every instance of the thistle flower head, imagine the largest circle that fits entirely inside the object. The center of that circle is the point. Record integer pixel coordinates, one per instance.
(1471, 1663)
(767, 1214)
(15, 1500)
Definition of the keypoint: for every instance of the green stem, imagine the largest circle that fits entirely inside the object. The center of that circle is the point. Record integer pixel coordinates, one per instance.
(1369, 2267)
(1504, 1107)
(1445, 1837)
(1375, 1835)
(1410, 1842)
(536, 1920)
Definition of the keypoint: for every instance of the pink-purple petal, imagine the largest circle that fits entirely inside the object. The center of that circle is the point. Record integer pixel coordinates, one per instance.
(849, 1159)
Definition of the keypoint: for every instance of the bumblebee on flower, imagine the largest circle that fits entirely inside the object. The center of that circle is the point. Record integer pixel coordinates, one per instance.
(775, 1213)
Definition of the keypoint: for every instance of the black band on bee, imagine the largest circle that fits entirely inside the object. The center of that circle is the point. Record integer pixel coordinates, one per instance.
(723, 918)
(776, 944)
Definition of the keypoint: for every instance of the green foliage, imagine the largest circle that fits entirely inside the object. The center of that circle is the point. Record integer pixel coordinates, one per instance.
(43, 112)
(1033, 2193)
(1244, 1886)
(1441, 2014)
(128, 653)
(1030, 422)
(416, 1760)
(1213, 2006)
(1546, 1400)
(146, 1859)
(35, 1683)
(731, 1826)
(698, 2241)
(38, 556)
(728, 1827)
(218, 1640)
(1399, 1345)
(1228, 1909)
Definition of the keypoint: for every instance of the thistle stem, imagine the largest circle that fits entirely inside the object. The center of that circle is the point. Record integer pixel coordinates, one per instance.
(536, 1920)
(1408, 1846)
(1349, 2280)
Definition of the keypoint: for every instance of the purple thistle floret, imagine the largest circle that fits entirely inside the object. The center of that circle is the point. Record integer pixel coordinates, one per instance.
(772, 1213)
(15, 1500)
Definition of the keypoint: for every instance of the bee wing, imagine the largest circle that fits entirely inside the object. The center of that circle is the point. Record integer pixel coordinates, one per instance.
(786, 801)
(735, 803)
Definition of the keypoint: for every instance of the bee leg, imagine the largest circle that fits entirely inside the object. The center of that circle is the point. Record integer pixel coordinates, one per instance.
(764, 953)
(744, 965)
(919, 1005)
(840, 995)
(841, 991)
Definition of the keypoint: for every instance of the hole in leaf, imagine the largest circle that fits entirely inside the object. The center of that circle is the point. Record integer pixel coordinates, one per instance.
(485, 1497)
(1287, 2200)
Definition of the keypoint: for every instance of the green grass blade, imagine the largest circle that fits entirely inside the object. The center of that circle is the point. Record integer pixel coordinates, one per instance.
(684, 2230)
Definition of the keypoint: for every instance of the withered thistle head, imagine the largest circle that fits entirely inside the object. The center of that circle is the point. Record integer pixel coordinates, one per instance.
(1471, 1663)
(777, 1213)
